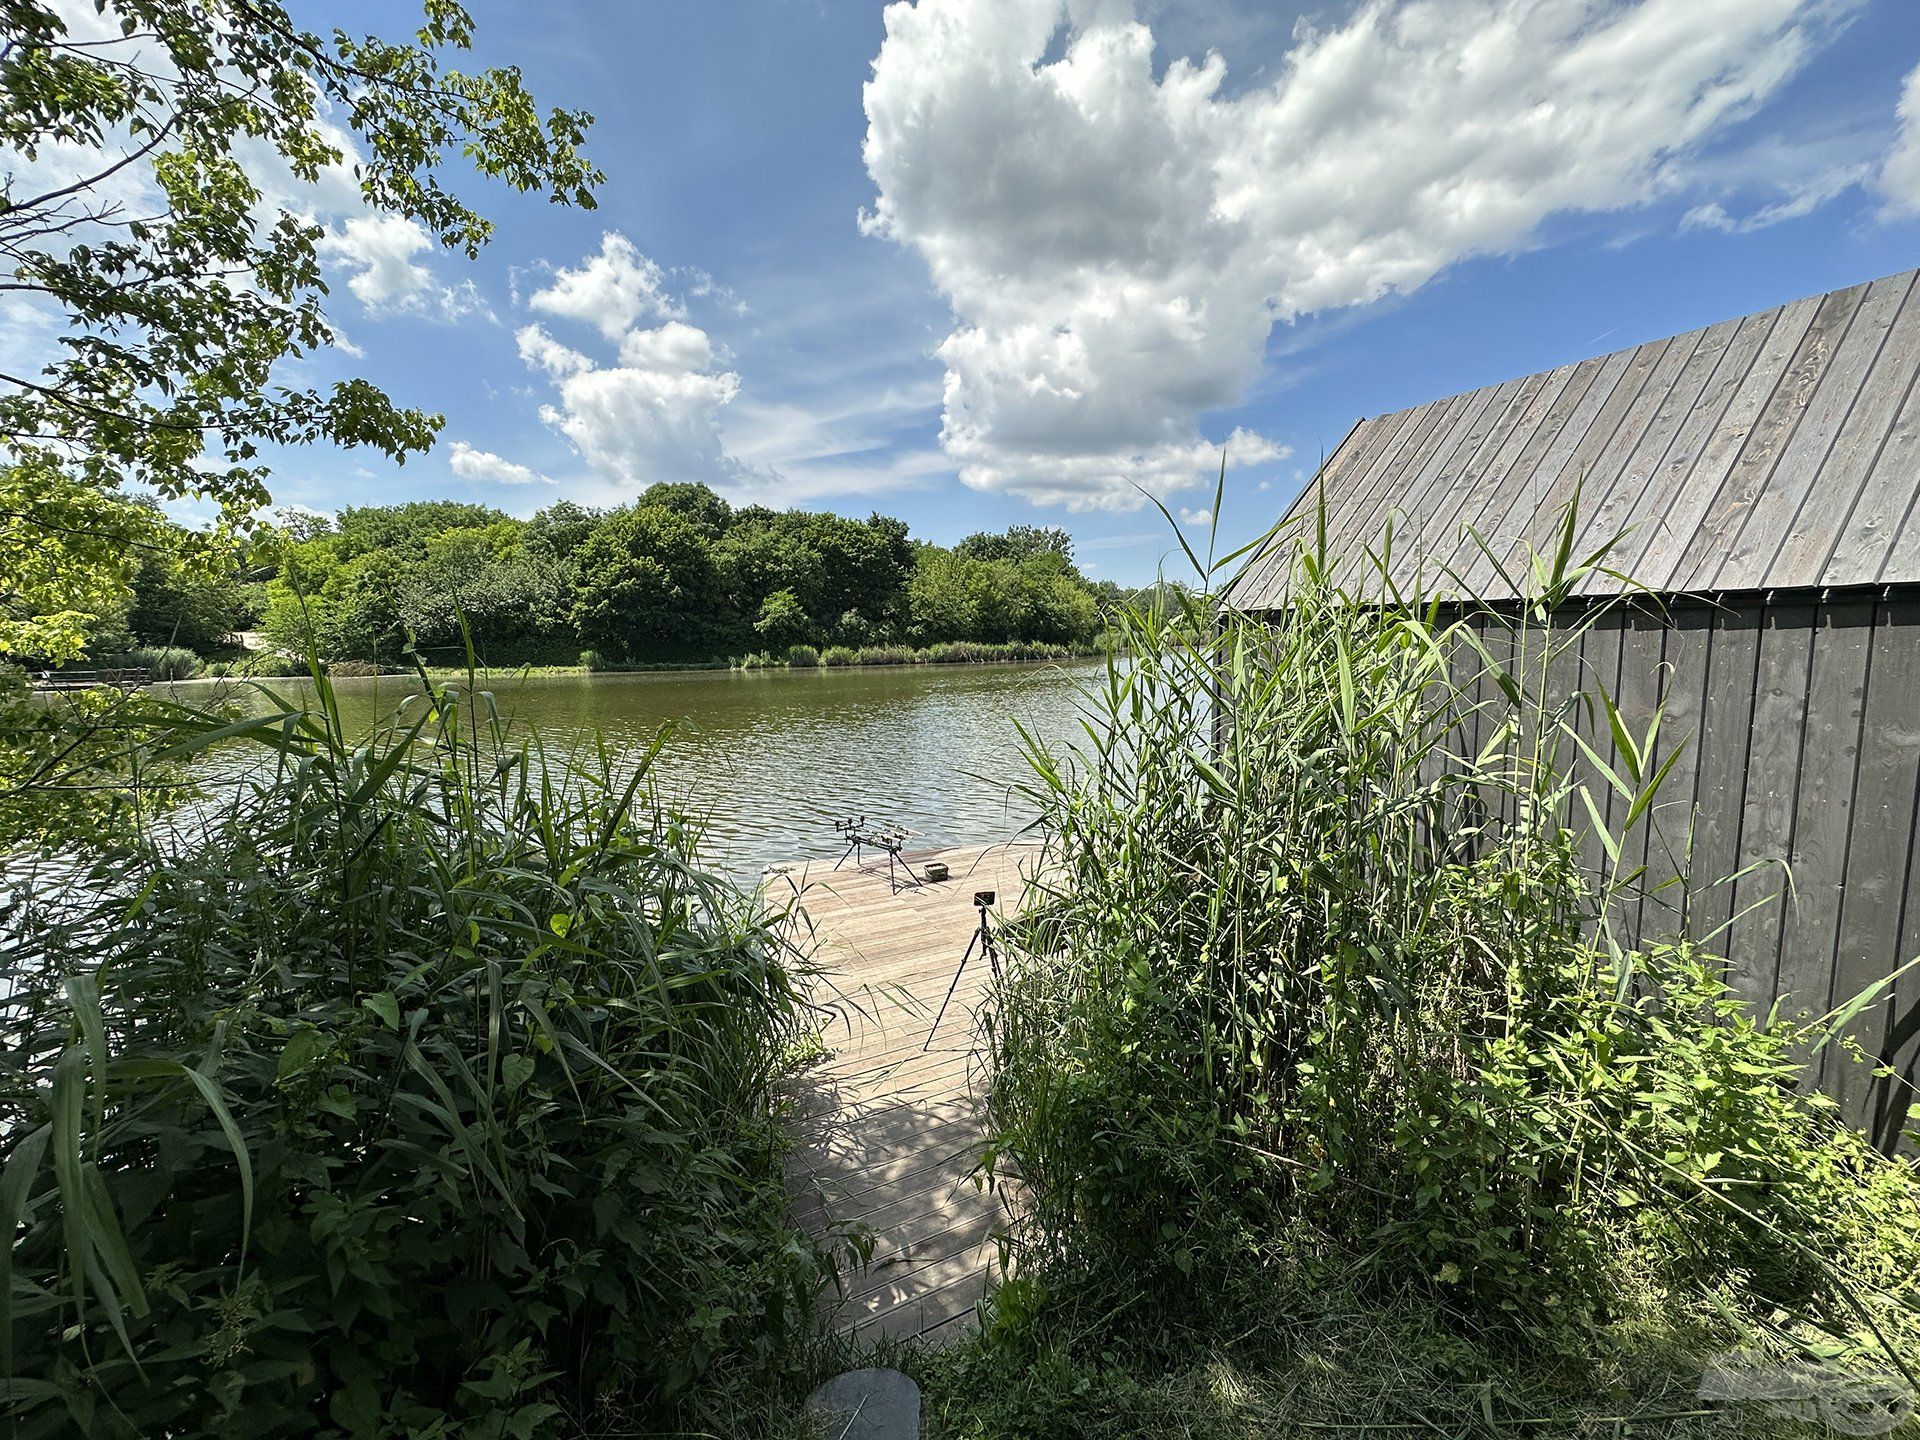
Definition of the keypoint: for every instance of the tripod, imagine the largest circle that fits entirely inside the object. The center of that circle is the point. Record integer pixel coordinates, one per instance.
(890, 838)
(982, 937)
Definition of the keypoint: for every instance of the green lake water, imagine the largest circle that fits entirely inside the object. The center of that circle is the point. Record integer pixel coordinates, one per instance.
(771, 758)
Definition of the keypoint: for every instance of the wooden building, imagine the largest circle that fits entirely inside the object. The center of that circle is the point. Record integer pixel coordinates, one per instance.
(1763, 473)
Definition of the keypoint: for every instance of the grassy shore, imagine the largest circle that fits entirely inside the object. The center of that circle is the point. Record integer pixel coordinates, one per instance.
(798, 657)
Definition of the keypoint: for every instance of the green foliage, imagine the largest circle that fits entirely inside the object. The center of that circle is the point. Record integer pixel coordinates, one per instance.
(67, 557)
(81, 767)
(802, 656)
(1336, 996)
(836, 656)
(677, 577)
(1020, 542)
(885, 655)
(187, 593)
(259, 667)
(592, 661)
(956, 595)
(425, 1090)
(162, 662)
(645, 581)
(176, 314)
(782, 618)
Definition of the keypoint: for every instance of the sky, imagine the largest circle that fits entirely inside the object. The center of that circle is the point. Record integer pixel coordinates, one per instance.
(989, 262)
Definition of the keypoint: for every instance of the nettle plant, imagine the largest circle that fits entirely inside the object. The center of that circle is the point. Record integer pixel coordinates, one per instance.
(1317, 973)
(421, 1087)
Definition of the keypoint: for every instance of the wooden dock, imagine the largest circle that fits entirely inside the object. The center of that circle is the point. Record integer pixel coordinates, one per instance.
(890, 1124)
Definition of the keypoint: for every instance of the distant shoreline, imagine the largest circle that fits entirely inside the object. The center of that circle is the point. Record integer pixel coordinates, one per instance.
(361, 671)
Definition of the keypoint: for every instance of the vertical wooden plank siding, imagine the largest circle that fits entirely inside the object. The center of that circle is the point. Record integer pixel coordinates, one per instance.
(1363, 513)
(1502, 637)
(1557, 754)
(1643, 641)
(1826, 512)
(1772, 782)
(1823, 808)
(1881, 834)
(1683, 695)
(1766, 523)
(1360, 478)
(1441, 481)
(1451, 542)
(1771, 432)
(1656, 563)
(1795, 735)
(1703, 423)
(1516, 497)
(1864, 546)
(1368, 486)
(1607, 514)
(1891, 756)
(1573, 480)
(1726, 738)
(1599, 671)
(1464, 670)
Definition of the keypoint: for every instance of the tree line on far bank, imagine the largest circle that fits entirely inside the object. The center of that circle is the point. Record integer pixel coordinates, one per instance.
(679, 576)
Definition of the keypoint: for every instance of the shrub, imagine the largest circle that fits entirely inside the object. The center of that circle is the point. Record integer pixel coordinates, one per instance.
(884, 655)
(425, 1091)
(593, 661)
(839, 655)
(263, 665)
(162, 662)
(82, 768)
(353, 669)
(802, 655)
(1296, 1002)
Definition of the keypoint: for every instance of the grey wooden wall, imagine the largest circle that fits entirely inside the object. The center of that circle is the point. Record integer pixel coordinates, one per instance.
(1800, 714)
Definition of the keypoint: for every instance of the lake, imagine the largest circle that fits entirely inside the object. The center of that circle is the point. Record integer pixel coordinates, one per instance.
(771, 758)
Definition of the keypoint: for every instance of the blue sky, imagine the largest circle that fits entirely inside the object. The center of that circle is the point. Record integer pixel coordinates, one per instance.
(982, 262)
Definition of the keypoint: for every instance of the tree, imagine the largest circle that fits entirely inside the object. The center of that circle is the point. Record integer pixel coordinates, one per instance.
(784, 621)
(411, 526)
(696, 502)
(561, 527)
(186, 593)
(1020, 542)
(66, 558)
(513, 600)
(175, 314)
(644, 583)
(763, 557)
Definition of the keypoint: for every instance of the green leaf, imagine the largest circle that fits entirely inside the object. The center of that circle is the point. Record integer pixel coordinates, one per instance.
(300, 1051)
(16, 1183)
(385, 1006)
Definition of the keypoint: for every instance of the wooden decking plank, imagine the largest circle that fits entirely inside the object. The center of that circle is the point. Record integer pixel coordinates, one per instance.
(888, 1127)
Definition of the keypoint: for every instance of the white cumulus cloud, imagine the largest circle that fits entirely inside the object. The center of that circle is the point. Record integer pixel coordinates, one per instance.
(489, 468)
(611, 290)
(1900, 175)
(654, 414)
(1117, 244)
(378, 251)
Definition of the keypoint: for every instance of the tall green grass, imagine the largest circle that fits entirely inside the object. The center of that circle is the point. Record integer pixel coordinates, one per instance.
(423, 1089)
(1314, 995)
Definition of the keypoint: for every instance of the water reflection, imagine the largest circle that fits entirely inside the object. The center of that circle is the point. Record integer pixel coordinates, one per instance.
(772, 758)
